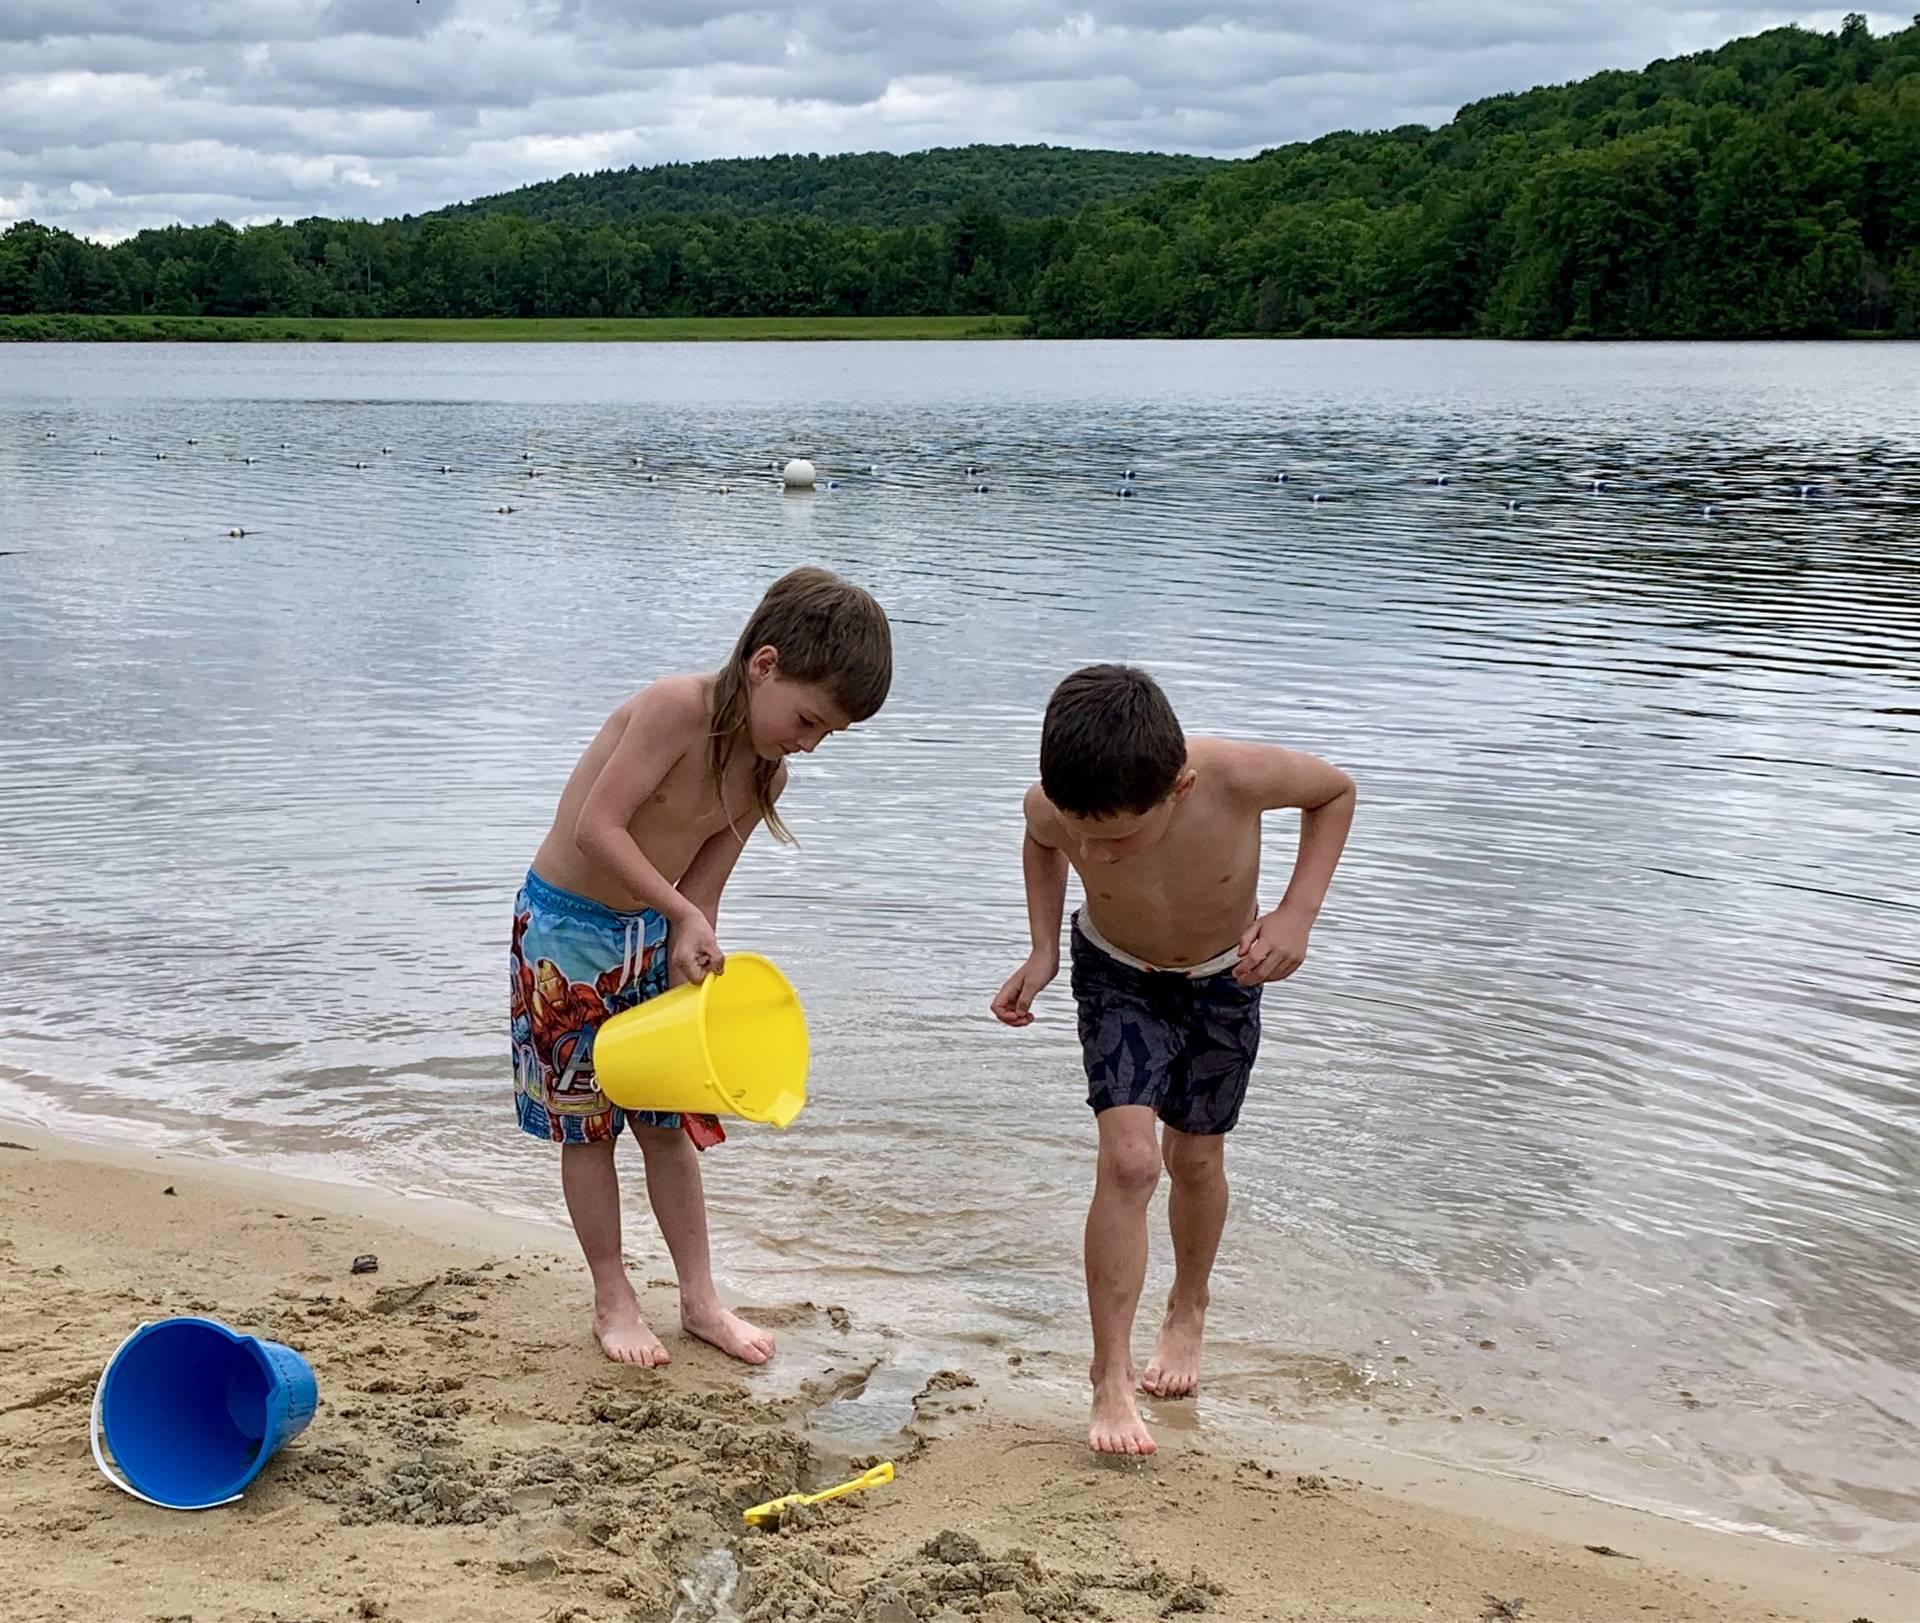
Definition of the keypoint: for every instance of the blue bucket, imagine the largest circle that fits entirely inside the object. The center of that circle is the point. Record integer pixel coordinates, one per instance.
(193, 1411)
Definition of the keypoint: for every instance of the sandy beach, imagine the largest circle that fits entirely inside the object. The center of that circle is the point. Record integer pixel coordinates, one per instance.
(474, 1458)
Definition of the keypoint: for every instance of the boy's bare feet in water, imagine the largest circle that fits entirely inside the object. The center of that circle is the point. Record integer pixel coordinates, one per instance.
(1116, 1426)
(729, 1332)
(1174, 1370)
(623, 1335)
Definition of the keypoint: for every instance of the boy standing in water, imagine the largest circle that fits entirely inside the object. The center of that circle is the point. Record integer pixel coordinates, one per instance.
(1170, 953)
(623, 901)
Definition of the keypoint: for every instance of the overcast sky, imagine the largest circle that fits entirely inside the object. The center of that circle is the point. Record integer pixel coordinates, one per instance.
(118, 114)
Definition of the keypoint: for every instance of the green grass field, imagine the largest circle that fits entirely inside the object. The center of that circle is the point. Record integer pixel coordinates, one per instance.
(504, 330)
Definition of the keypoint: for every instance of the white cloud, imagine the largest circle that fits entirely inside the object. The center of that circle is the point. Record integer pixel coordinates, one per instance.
(116, 114)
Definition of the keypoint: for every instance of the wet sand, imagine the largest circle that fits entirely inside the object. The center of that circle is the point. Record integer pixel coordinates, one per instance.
(475, 1458)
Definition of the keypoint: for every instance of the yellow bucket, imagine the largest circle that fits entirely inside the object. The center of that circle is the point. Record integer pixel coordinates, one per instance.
(735, 1045)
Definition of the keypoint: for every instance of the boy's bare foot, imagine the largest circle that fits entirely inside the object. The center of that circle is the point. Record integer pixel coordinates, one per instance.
(1174, 1370)
(1116, 1427)
(729, 1332)
(624, 1337)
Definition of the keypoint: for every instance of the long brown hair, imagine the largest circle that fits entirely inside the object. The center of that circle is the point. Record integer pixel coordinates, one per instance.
(824, 630)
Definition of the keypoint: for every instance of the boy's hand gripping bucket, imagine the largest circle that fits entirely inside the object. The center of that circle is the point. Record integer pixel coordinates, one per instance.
(735, 1045)
(192, 1411)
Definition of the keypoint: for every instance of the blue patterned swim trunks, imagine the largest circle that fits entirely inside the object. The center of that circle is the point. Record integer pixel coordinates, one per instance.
(574, 962)
(1183, 1045)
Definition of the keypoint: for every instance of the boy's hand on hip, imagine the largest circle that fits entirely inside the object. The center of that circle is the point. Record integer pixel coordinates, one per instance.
(1014, 1005)
(693, 951)
(1273, 948)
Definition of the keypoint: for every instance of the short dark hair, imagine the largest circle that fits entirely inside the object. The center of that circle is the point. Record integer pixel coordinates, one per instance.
(1111, 745)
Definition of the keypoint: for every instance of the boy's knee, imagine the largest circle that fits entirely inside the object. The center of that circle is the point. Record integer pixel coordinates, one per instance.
(1195, 1158)
(658, 1140)
(1131, 1164)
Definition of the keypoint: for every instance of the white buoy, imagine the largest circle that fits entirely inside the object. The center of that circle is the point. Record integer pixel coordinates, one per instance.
(797, 474)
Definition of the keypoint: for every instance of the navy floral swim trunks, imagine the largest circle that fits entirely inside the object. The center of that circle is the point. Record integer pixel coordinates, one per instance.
(1182, 1045)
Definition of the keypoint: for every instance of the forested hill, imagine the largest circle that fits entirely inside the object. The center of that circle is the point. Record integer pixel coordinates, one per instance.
(1770, 188)
(863, 188)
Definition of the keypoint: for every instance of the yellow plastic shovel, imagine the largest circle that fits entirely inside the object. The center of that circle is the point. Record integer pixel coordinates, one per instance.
(769, 1514)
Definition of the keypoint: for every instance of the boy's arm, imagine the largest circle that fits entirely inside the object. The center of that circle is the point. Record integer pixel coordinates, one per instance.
(1274, 779)
(1043, 863)
(713, 864)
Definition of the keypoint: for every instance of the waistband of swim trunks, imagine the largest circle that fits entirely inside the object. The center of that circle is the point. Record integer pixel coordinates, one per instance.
(550, 898)
(1219, 964)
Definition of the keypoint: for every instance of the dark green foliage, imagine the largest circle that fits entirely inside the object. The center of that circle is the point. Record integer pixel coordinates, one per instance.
(861, 188)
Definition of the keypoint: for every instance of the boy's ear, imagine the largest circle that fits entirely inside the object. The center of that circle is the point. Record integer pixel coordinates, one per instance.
(765, 661)
(1183, 785)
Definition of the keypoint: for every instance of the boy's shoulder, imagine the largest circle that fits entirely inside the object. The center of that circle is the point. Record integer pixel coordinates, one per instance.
(1230, 764)
(683, 700)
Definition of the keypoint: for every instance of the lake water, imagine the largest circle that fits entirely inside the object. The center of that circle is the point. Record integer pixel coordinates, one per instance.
(1592, 1119)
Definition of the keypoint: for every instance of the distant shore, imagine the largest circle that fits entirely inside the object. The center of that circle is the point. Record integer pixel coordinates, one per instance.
(498, 329)
(474, 1459)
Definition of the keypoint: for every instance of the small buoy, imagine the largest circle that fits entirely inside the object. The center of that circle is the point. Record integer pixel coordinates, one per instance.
(974, 469)
(236, 535)
(1123, 491)
(798, 474)
(639, 462)
(1277, 478)
(533, 473)
(873, 467)
(446, 467)
(1709, 511)
(99, 453)
(1803, 491)
(833, 484)
(1513, 505)
(1443, 478)
(249, 460)
(653, 478)
(1596, 485)
(50, 434)
(726, 490)
(980, 490)
(112, 437)
(193, 442)
(503, 509)
(360, 465)
(1131, 473)
(285, 446)
(1317, 498)
(159, 456)
(386, 450)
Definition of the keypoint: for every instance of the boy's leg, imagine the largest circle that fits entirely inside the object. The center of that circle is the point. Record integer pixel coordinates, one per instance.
(592, 1187)
(1116, 1242)
(680, 1206)
(1197, 1213)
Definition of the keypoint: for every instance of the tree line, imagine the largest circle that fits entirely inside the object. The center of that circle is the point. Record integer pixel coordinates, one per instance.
(1767, 188)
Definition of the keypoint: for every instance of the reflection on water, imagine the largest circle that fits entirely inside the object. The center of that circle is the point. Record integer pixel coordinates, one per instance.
(1591, 1122)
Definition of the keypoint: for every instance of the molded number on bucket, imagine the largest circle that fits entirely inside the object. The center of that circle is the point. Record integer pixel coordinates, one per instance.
(192, 1411)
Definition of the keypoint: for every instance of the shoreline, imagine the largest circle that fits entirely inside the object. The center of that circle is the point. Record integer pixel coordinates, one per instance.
(474, 1457)
(145, 329)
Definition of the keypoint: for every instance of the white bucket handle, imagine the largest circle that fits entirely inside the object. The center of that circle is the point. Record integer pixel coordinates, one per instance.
(100, 1458)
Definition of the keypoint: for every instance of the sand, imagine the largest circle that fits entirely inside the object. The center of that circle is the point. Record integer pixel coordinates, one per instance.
(475, 1458)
